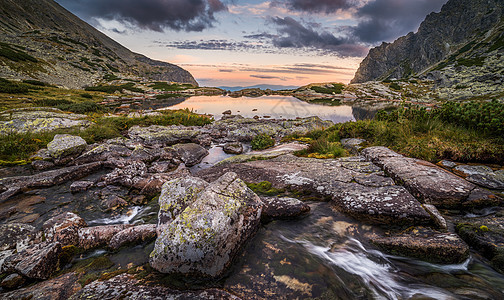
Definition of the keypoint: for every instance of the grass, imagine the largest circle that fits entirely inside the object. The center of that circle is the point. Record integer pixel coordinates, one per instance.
(16, 148)
(336, 88)
(262, 141)
(167, 96)
(16, 55)
(12, 87)
(110, 89)
(428, 135)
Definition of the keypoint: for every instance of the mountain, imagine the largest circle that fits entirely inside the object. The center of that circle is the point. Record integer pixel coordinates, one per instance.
(461, 46)
(41, 40)
(259, 86)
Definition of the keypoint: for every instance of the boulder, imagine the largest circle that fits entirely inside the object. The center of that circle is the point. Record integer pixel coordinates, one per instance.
(353, 145)
(64, 229)
(428, 182)
(98, 236)
(176, 196)
(64, 145)
(425, 244)
(233, 148)
(12, 233)
(283, 208)
(191, 154)
(133, 235)
(161, 136)
(59, 288)
(38, 261)
(127, 175)
(12, 281)
(204, 238)
(127, 287)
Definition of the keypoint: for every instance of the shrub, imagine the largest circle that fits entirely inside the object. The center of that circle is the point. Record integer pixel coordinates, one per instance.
(11, 87)
(337, 88)
(262, 141)
(395, 86)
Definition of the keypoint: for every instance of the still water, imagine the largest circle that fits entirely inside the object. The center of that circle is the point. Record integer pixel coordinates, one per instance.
(275, 107)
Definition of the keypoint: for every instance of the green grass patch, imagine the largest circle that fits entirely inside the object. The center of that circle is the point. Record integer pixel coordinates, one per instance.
(110, 89)
(469, 62)
(262, 141)
(20, 146)
(395, 86)
(336, 88)
(110, 77)
(16, 55)
(11, 87)
(265, 188)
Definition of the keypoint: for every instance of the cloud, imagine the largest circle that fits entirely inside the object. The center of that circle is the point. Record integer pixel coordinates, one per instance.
(268, 77)
(156, 15)
(318, 6)
(385, 20)
(226, 70)
(211, 45)
(293, 34)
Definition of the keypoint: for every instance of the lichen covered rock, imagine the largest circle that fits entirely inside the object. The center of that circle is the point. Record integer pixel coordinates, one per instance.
(283, 208)
(191, 154)
(204, 238)
(65, 145)
(233, 148)
(59, 288)
(136, 234)
(38, 261)
(64, 228)
(11, 234)
(92, 237)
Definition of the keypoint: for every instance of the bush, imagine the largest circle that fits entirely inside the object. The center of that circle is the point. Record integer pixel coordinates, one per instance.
(67, 105)
(395, 86)
(10, 87)
(337, 88)
(15, 55)
(86, 95)
(262, 141)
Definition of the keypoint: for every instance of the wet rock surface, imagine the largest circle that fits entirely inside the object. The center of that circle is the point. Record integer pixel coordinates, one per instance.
(64, 229)
(38, 261)
(126, 287)
(205, 237)
(283, 208)
(425, 244)
(376, 199)
(92, 237)
(59, 288)
(191, 154)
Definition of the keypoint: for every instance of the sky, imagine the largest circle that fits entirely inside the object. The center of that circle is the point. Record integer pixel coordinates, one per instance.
(249, 42)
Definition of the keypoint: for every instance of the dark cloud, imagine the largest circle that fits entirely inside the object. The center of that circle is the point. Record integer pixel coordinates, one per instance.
(317, 6)
(293, 34)
(188, 15)
(268, 77)
(212, 45)
(386, 20)
(260, 36)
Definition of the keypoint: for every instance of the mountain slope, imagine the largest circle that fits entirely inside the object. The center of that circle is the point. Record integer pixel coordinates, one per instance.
(42, 40)
(465, 33)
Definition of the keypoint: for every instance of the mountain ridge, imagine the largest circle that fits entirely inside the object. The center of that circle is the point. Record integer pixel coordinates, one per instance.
(439, 37)
(67, 51)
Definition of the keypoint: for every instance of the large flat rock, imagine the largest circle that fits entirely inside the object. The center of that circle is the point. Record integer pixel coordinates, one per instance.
(356, 186)
(428, 182)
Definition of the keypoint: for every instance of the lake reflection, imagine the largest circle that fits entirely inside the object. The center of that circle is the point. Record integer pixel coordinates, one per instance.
(276, 107)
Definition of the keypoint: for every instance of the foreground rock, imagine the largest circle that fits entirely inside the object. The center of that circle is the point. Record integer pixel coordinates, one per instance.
(482, 175)
(283, 208)
(59, 288)
(356, 186)
(233, 148)
(204, 238)
(97, 236)
(126, 287)
(14, 233)
(66, 145)
(425, 244)
(11, 186)
(133, 235)
(64, 229)
(486, 235)
(428, 182)
(38, 261)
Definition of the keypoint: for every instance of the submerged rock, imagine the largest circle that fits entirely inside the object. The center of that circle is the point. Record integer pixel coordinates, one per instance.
(66, 145)
(63, 228)
(204, 238)
(191, 154)
(425, 244)
(428, 182)
(126, 287)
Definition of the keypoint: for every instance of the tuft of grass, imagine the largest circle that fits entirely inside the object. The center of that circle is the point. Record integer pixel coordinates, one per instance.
(336, 88)
(262, 141)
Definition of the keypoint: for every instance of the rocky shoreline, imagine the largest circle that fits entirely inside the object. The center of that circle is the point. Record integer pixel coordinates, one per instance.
(203, 219)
